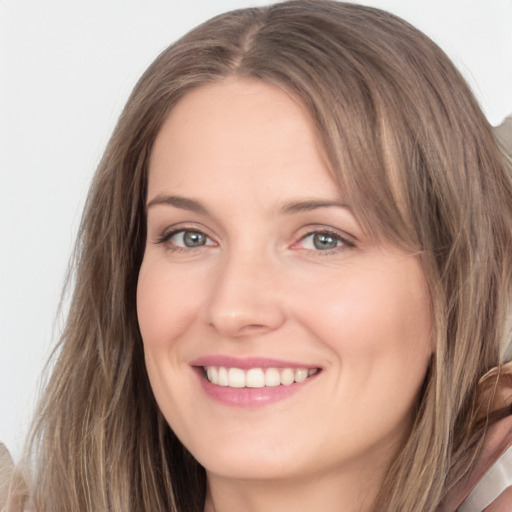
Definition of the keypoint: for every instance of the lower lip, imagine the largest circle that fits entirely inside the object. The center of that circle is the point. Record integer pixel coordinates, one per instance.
(249, 398)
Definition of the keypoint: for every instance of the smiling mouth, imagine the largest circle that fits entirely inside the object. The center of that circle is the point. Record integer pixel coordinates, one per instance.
(256, 377)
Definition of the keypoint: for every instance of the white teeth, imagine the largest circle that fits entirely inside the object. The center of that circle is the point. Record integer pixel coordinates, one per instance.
(257, 377)
(236, 378)
(287, 377)
(272, 377)
(222, 377)
(212, 374)
(301, 375)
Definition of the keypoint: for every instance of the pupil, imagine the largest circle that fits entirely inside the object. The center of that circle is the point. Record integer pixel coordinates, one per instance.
(324, 241)
(193, 239)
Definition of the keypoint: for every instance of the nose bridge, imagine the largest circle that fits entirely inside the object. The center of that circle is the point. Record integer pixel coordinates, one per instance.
(244, 298)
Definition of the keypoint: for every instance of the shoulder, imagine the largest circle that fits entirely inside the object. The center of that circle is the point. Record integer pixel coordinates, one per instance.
(503, 503)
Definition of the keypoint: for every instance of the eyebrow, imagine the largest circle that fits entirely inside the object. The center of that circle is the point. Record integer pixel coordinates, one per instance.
(179, 202)
(287, 208)
(309, 205)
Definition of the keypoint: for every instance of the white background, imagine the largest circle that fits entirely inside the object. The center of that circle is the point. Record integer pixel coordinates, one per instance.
(66, 69)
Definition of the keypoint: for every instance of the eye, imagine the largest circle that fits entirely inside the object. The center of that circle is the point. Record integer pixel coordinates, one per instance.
(189, 239)
(185, 239)
(324, 241)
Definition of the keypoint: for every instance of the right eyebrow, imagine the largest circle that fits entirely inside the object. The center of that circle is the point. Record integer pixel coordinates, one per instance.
(184, 203)
(308, 205)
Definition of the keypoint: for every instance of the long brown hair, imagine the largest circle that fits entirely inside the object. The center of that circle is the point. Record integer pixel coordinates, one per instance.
(405, 139)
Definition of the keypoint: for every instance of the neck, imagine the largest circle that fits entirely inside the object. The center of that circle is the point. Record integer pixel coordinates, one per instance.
(356, 493)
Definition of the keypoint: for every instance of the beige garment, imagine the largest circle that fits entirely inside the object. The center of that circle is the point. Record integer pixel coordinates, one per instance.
(496, 482)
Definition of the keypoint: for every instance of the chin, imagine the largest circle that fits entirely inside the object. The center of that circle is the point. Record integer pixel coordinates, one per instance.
(254, 460)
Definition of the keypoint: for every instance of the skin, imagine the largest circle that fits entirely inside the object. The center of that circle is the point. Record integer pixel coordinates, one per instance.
(502, 503)
(260, 287)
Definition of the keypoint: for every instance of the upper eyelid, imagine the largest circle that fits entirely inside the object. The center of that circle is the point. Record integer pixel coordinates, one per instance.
(345, 240)
(165, 235)
(319, 228)
(184, 226)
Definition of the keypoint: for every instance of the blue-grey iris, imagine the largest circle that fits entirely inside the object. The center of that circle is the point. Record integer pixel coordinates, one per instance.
(194, 239)
(324, 241)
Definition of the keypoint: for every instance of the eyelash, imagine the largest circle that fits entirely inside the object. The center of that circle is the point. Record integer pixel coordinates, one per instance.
(166, 237)
(344, 242)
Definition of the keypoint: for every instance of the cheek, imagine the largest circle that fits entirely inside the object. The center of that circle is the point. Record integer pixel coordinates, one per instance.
(165, 306)
(165, 314)
(377, 323)
(368, 309)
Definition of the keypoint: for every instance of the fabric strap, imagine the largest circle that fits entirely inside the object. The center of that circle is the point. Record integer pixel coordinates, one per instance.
(494, 482)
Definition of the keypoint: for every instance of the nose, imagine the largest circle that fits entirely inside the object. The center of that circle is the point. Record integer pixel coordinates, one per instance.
(246, 297)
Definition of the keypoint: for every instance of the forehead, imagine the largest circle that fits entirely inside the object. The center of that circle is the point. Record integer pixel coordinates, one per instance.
(239, 134)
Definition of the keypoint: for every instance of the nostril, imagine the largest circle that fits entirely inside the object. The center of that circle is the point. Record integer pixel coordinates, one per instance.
(246, 320)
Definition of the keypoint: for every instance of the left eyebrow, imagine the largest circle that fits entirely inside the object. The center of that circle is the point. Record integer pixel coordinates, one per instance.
(309, 205)
(184, 203)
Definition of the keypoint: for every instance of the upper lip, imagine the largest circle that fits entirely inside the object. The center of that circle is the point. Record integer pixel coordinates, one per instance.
(248, 362)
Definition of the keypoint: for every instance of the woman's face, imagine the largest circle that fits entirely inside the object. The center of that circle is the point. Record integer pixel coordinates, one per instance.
(280, 340)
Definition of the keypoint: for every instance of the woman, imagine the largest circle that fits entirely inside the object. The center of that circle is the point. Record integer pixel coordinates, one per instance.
(293, 270)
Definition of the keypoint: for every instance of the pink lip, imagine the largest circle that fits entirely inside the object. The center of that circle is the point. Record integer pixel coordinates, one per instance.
(247, 398)
(247, 363)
